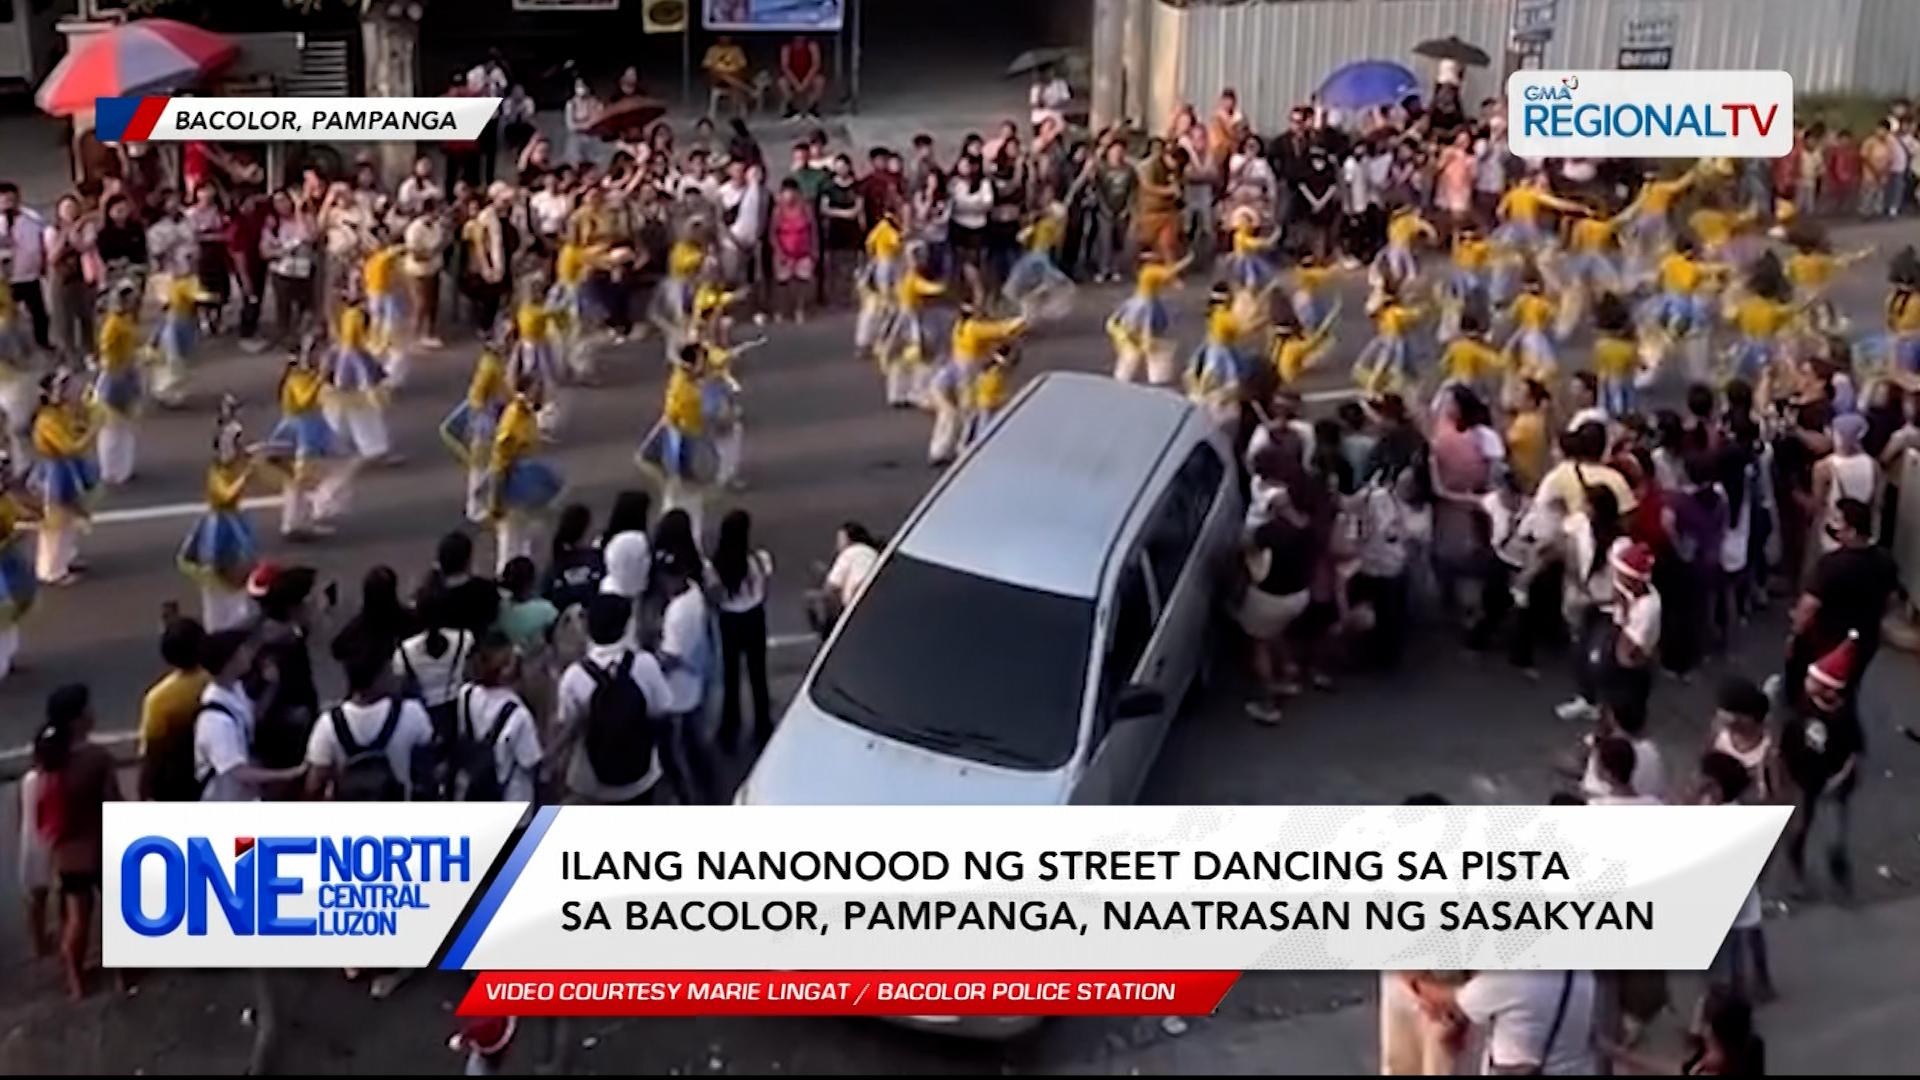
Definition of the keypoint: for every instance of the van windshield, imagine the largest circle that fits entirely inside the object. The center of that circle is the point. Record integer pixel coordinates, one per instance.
(964, 665)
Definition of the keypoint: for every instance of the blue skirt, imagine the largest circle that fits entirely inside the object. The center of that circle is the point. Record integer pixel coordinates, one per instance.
(1033, 273)
(66, 483)
(177, 336)
(18, 586)
(1141, 317)
(1593, 269)
(118, 391)
(357, 372)
(467, 429)
(1750, 358)
(1247, 270)
(1400, 265)
(389, 310)
(676, 455)
(528, 486)
(1217, 367)
(1683, 310)
(1519, 234)
(1534, 349)
(220, 549)
(303, 436)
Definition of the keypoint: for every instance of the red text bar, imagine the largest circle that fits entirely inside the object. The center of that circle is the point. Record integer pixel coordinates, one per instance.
(846, 993)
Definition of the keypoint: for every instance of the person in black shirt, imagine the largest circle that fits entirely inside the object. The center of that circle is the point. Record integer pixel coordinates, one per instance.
(453, 598)
(574, 572)
(1820, 749)
(121, 239)
(1846, 595)
(283, 668)
(1280, 553)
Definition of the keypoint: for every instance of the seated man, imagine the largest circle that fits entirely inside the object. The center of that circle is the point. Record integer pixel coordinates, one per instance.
(726, 65)
(803, 78)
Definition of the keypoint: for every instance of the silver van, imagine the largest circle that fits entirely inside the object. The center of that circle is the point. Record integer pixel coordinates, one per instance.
(1031, 632)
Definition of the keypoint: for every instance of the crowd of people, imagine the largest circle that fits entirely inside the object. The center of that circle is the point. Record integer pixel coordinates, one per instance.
(1602, 412)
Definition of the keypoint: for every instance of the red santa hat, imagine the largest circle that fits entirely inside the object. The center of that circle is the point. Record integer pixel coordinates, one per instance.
(261, 580)
(1633, 562)
(1834, 671)
(487, 1036)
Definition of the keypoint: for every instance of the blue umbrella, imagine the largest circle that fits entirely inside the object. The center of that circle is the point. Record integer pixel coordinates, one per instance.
(1368, 84)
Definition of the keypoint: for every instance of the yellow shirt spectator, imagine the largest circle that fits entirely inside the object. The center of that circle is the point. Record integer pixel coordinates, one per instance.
(726, 62)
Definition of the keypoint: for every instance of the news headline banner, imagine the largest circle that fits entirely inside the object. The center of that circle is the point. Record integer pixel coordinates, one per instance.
(1135, 888)
(1650, 114)
(189, 119)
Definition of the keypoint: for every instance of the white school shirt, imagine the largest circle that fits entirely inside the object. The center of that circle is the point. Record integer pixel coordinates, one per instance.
(574, 694)
(412, 732)
(686, 635)
(1514, 1011)
(439, 676)
(517, 752)
(753, 587)
(850, 570)
(223, 743)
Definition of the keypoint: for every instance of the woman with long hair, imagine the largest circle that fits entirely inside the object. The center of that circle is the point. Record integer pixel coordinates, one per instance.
(77, 780)
(741, 574)
(1592, 534)
(382, 622)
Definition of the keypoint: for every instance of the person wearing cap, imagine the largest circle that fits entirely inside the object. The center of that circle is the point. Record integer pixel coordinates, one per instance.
(1628, 670)
(65, 477)
(1820, 748)
(220, 551)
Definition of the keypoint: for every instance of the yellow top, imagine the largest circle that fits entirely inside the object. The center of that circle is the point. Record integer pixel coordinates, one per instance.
(573, 264)
(1472, 255)
(1681, 274)
(1248, 242)
(1395, 319)
(1758, 317)
(1658, 196)
(1314, 279)
(1903, 312)
(1044, 233)
(1523, 204)
(300, 391)
(183, 295)
(1714, 227)
(1407, 227)
(118, 341)
(1811, 269)
(378, 273)
(916, 289)
(57, 433)
(531, 322)
(1615, 357)
(489, 382)
(975, 339)
(682, 408)
(709, 300)
(171, 707)
(1223, 326)
(1527, 447)
(725, 61)
(1534, 311)
(1294, 354)
(227, 484)
(352, 332)
(517, 434)
(1592, 235)
(1154, 278)
(1469, 360)
(589, 225)
(992, 388)
(883, 240)
(685, 259)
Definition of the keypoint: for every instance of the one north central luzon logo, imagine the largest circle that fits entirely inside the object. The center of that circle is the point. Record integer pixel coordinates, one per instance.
(1556, 110)
(366, 883)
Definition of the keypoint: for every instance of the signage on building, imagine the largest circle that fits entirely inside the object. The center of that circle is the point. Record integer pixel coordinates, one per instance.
(664, 16)
(1647, 42)
(791, 16)
(566, 5)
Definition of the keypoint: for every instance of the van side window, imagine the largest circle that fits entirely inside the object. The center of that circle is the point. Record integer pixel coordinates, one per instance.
(1182, 512)
(1133, 620)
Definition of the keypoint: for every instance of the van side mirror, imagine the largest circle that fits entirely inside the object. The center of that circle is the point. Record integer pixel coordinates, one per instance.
(1138, 701)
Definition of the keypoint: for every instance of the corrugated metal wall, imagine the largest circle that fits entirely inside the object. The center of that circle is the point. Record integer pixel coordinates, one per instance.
(1274, 52)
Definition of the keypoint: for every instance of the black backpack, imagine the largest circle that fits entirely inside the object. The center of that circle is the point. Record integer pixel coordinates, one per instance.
(476, 772)
(366, 775)
(619, 738)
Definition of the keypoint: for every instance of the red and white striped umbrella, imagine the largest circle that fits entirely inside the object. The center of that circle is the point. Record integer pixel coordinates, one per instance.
(151, 56)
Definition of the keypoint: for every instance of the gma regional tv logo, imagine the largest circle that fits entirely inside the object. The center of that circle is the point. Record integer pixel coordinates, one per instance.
(284, 886)
(1650, 114)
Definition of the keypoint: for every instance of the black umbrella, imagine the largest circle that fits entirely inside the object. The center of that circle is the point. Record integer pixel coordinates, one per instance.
(1041, 59)
(1452, 48)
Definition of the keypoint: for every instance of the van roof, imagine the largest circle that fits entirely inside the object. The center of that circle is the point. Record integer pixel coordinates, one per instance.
(1042, 501)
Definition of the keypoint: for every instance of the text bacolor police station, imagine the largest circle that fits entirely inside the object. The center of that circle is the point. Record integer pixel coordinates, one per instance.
(1298, 865)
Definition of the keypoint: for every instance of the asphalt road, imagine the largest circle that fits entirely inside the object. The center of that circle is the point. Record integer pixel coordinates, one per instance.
(821, 450)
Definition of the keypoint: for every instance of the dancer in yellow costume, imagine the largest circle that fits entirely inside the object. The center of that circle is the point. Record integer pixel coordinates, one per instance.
(1218, 373)
(1616, 354)
(1296, 350)
(877, 284)
(177, 336)
(1648, 221)
(1761, 312)
(1139, 327)
(118, 385)
(220, 550)
(1468, 360)
(1811, 270)
(1037, 288)
(64, 477)
(1519, 212)
(951, 392)
(1386, 364)
(1587, 271)
(387, 310)
(1529, 351)
(1398, 261)
(19, 389)
(1248, 264)
(1468, 285)
(18, 586)
(468, 430)
(518, 487)
(992, 389)
(671, 308)
(306, 452)
(534, 359)
(356, 400)
(902, 350)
